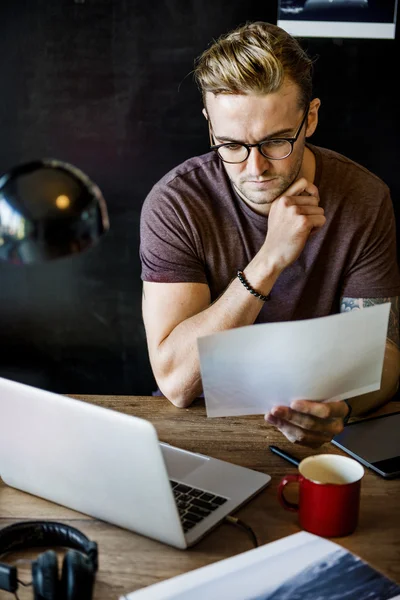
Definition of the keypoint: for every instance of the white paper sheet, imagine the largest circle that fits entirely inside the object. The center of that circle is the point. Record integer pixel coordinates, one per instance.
(250, 369)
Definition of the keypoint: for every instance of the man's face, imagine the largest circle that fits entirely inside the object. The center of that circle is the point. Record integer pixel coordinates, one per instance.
(251, 119)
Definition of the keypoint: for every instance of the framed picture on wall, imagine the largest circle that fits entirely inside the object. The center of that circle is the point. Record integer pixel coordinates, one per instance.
(339, 18)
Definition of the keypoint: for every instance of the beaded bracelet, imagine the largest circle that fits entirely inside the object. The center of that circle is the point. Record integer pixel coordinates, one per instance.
(248, 287)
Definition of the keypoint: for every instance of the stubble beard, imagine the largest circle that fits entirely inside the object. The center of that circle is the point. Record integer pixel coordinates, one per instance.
(268, 197)
(262, 197)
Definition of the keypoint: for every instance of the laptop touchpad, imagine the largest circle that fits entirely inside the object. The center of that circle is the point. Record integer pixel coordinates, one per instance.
(179, 462)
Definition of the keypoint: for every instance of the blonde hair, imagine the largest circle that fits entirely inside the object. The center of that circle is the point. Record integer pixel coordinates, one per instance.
(254, 59)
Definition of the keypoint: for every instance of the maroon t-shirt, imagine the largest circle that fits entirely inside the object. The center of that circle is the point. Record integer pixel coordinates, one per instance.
(195, 228)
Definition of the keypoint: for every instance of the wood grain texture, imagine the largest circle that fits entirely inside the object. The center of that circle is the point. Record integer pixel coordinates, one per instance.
(129, 561)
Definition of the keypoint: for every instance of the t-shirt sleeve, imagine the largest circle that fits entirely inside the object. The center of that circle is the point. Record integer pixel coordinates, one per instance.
(375, 271)
(170, 249)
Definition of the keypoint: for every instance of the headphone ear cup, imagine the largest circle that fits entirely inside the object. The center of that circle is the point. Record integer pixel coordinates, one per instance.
(45, 576)
(77, 577)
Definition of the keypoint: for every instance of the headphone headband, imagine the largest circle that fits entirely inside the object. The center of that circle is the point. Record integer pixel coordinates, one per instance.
(30, 534)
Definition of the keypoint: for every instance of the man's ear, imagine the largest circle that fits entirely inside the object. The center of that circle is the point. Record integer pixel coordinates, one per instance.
(312, 119)
(204, 111)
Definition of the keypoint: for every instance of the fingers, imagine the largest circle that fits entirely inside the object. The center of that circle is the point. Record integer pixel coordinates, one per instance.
(313, 216)
(307, 218)
(323, 410)
(300, 200)
(308, 210)
(297, 435)
(303, 188)
(298, 205)
(307, 422)
(326, 425)
(316, 221)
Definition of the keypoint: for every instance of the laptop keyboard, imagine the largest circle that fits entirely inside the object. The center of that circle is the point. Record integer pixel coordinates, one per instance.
(194, 504)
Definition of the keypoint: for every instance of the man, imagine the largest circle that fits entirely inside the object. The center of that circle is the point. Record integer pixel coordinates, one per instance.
(266, 227)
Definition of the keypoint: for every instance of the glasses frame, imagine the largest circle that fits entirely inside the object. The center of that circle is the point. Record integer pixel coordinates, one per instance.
(259, 145)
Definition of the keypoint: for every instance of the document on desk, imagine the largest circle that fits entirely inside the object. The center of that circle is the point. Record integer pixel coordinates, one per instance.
(248, 370)
(301, 565)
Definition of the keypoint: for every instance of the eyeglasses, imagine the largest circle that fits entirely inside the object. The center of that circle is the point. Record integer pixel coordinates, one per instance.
(275, 148)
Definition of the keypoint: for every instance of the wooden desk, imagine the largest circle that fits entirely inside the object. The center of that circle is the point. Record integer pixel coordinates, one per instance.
(129, 561)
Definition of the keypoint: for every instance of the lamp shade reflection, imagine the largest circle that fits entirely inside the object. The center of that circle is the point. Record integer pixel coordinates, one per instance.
(48, 209)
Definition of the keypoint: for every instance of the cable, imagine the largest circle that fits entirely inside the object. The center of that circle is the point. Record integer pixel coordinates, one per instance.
(238, 523)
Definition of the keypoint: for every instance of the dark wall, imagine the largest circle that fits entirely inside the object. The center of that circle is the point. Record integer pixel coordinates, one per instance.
(106, 85)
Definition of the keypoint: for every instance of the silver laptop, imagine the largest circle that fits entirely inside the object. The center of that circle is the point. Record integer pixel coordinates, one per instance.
(112, 466)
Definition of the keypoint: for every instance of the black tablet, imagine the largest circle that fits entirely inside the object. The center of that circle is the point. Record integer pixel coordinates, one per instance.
(375, 442)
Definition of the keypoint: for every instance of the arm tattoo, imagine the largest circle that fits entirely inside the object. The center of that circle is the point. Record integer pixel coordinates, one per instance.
(348, 304)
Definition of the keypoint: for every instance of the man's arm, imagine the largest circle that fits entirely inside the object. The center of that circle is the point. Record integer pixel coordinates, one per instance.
(391, 365)
(175, 315)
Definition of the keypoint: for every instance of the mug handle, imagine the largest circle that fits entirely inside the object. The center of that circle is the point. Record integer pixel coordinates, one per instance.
(294, 507)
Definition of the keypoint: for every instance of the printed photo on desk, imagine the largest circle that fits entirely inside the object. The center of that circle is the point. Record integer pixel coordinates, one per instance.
(300, 566)
(339, 18)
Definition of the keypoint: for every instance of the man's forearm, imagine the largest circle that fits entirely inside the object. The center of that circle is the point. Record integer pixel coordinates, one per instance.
(178, 369)
(366, 403)
(291, 219)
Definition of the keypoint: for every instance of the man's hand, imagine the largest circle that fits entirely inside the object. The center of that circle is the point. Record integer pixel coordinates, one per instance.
(309, 423)
(291, 220)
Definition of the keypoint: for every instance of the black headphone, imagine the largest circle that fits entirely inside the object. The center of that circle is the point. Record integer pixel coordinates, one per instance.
(78, 568)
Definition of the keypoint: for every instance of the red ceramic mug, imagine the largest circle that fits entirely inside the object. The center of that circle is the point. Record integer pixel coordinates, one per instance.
(329, 494)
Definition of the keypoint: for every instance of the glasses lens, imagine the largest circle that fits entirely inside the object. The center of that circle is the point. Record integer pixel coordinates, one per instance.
(233, 153)
(276, 149)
